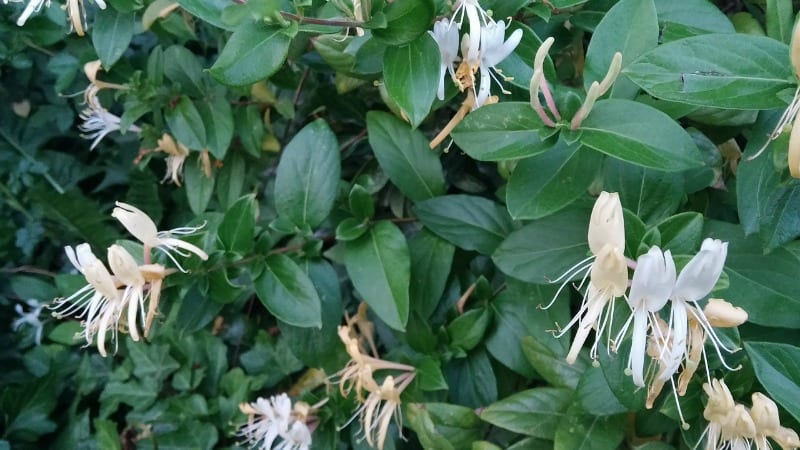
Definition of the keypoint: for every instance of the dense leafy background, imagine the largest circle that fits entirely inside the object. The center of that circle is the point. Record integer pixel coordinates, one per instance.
(310, 166)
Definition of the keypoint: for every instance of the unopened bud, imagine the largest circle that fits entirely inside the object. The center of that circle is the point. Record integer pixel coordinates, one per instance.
(125, 268)
(541, 54)
(606, 225)
(611, 75)
(723, 314)
(794, 149)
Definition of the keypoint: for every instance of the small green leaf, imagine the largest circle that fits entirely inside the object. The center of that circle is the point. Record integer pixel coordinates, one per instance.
(107, 435)
(237, 229)
(779, 20)
(584, 432)
(443, 426)
(736, 71)
(780, 222)
(777, 367)
(207, 10)
(308, 174)
(410, 84)
(218, 119)
(431, 259)
(253, 53)
(502, 131)
(548, 357)
(186, 123)
(379, 266)
(198, 186)
(287, 292)
(111, 34)
(467, 330)
(469, 222)
(639, 134)
(406, 20)
(544, 249)
(546, 183)
(181, 66)
(534, 412)
(404, 155)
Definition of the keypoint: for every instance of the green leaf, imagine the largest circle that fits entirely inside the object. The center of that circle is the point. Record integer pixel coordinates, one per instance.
(186, 123)
(544, 249)
(548, 357)
(757, 180)
(253, 53)
(697, 16)
(181, 66)
(723, 70)
(410, 84)
(584, 432)
(231, 180)
(758, 282)
(208, 10)
(779, 20)
(431, 259)
(780, 222)
(546, 183)
(237, 229)
(287, 292)
(639, 134)
(151, 361)
(404, 155)
(502, 131)
(469, 222)
(475, 378)
(308, 175)
(379, 267)
(443, 426)
(406, 20)
(650, 194)
(466, 330)
(198, 186)
(112, 32)
(777, 368)
(682, 233)
(139, 394)
(629, 27)
(595, 395)
(218, 119)
(534, 412)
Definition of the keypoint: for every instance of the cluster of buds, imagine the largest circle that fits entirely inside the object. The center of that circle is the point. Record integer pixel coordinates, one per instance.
(378, 402)
(675, 347)
(275, 421)
(115, 300)
(483, 47)
(733, 425)
(539, 85)
(76, 13)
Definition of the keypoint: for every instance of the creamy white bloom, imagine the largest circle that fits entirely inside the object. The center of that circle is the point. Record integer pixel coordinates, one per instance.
(494, 49)
(142, 227)
(126, 269)
(446, 37)
(274, 421)
(729, 423)
(768, 425)
(30, 318)
(651, 286)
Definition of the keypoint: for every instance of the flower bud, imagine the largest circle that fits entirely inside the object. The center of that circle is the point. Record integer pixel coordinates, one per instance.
(722, 314)
(139, 224)
(125, 268)
(606, 225)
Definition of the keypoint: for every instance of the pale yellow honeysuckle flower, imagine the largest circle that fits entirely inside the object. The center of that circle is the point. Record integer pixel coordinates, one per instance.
(721, 314)
(176, 156)
(729, 423)
(142, 227)
(764, 413)
(125, 268)
(376, 413)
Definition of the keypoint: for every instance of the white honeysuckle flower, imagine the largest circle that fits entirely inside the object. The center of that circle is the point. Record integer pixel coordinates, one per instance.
(97, 121)
(694, 282)
(142, 227)
(651, 286)
(126, 269)
(298, 437)
(477, 18)
(730, 426)
(32, 7)
(764, 413)
(494, 49)
(274, 421)
(30, 318)
(98, 304)
(446, 37)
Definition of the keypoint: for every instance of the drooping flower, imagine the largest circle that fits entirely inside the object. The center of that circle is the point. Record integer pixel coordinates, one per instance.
(125, 268)
(494, 49)
(141, 226)
(651, 286)
(176, 156)
(446, 37)
(764, 413)
(30, 318)
(729, 423)
(99, 303)
(97, 121)
(274, 421)
(375, 415)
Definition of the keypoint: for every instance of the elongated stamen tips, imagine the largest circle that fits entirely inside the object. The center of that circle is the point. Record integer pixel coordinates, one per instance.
(541, 54)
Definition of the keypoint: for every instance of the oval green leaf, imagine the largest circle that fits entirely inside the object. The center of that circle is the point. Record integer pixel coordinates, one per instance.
(410, 84)
(287, 292)
(253, 53)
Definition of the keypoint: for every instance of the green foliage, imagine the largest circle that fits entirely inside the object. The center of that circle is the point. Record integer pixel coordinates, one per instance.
(331, 230)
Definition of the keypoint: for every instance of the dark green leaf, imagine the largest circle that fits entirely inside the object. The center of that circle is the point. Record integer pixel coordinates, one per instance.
(208, 10)
(779, 20)
(199, 187)
(585, 432)
(379, 266)
(722, 70)
(650, 194)
(475, 378)
(404, 155)
(548, 357)
(237, 229)
(431, 258)
(639, 134)
(535, 412)
(253, 53)
(112, 32)
(410, 84)
(186, 123)
(502, 131)
(780, 222)
(181, 66)
(682, 233)
(443, 426)
(406, 20)
(466, 331)
(218, 119)
(469, 222)
(308, 175)
(595, 395)
(777, 367)
(546, 183)
(287, 292)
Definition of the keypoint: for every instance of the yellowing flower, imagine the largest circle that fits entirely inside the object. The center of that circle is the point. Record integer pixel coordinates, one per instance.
(729, 424)
(176, 156)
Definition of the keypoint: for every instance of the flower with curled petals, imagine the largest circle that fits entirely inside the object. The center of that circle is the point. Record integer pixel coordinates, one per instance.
(446, 37)
(274, 421)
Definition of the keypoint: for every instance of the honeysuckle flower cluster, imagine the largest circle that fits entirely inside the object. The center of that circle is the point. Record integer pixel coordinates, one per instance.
(732, 425)
(675, 347)
(378, 402)
(539, 85)
(76, 12)
(482, 47)
(115, 300)
(274, 421)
